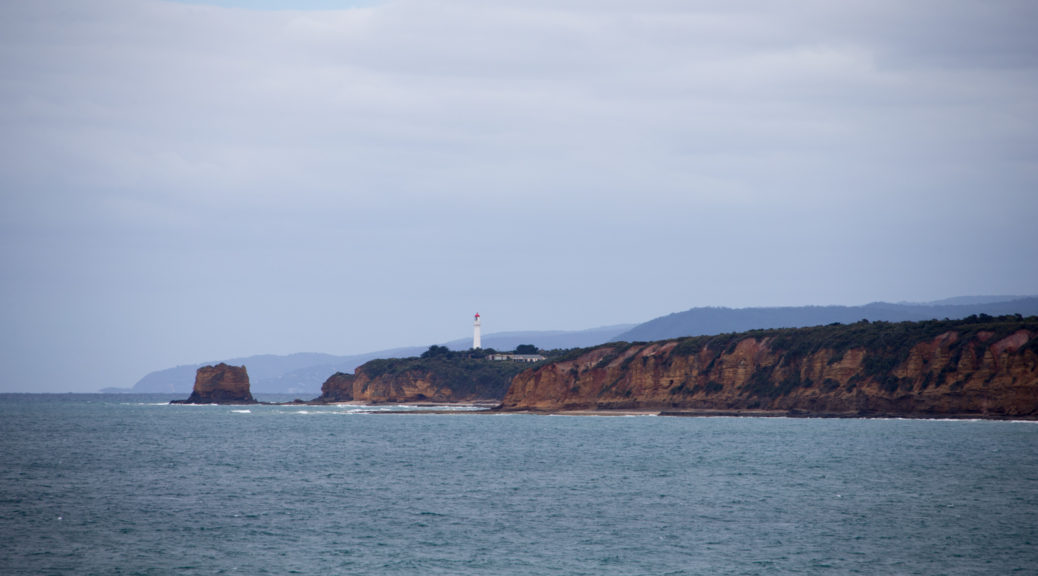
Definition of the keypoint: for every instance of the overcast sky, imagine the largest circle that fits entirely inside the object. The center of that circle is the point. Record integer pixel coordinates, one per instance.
(188, 182)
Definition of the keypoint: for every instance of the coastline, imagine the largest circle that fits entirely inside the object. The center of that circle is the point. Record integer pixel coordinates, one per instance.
(494, 407)
(697, 413)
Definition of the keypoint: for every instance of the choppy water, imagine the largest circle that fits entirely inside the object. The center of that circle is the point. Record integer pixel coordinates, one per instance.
(98, 484)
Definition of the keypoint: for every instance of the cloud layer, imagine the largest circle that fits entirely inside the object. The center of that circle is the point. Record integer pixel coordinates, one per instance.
(186, 182)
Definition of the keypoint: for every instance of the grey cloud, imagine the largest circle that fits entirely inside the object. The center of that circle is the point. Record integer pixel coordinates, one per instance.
(165, 163)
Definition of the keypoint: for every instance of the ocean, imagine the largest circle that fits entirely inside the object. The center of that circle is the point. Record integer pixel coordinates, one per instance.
(120, 484)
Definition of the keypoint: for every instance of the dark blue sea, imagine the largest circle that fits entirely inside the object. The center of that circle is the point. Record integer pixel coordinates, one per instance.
(119, 484)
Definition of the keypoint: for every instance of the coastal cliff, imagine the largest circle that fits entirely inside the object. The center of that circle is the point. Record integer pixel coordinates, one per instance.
(444, 377)
(337, 388)
(981, 366)
(220, 384)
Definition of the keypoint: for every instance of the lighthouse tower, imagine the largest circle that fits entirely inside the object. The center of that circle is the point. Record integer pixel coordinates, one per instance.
(476, 344)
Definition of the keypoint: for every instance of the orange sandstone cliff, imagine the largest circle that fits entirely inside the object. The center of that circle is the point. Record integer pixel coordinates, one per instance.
(411, 386)
(983, 367)
(337, 388)
(452, 377)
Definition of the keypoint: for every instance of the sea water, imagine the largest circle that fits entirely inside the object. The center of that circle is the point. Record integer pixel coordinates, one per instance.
(110, 484)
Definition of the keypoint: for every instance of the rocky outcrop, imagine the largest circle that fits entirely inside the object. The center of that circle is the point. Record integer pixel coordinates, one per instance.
(337, 388)
(409, 386)
(220, 384)
(980, 367)
(455, 378)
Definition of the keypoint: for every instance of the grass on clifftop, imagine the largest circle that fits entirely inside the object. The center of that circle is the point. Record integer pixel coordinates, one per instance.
(872, 336)
(878, 338)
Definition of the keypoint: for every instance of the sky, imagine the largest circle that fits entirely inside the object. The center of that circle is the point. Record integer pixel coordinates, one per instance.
(184, 182)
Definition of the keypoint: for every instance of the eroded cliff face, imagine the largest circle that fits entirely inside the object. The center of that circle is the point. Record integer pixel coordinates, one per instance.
(433, 381)
(410, 386)
(221, 384)
(386, 388)
(337, 388)
(956, 372)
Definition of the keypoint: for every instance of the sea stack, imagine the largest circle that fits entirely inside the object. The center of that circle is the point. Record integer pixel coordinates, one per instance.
(220, 384)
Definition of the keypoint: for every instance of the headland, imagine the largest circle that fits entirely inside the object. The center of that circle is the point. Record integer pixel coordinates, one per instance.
(978, 367)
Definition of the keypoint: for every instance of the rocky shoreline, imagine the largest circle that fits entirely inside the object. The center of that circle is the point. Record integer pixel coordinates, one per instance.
(490, 408)
(692, 413)
(976, 368)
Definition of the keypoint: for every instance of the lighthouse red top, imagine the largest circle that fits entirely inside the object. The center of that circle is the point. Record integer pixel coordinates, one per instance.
(477, 315)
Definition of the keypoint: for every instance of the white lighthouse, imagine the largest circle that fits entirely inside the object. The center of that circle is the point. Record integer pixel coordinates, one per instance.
(476, 344)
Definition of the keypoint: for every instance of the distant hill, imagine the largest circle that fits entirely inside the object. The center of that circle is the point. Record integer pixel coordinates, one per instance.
(709, 321)
(303, 373)
(973, 300)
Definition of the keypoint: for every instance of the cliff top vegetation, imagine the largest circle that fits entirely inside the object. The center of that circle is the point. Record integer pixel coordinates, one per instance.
(465, 372)
(889, 338)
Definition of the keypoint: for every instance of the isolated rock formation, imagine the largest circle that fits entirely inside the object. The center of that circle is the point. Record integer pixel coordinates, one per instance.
(982, 367)
(220, 384)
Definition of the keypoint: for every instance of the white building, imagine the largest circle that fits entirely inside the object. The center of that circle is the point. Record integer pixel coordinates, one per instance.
(517, 357)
